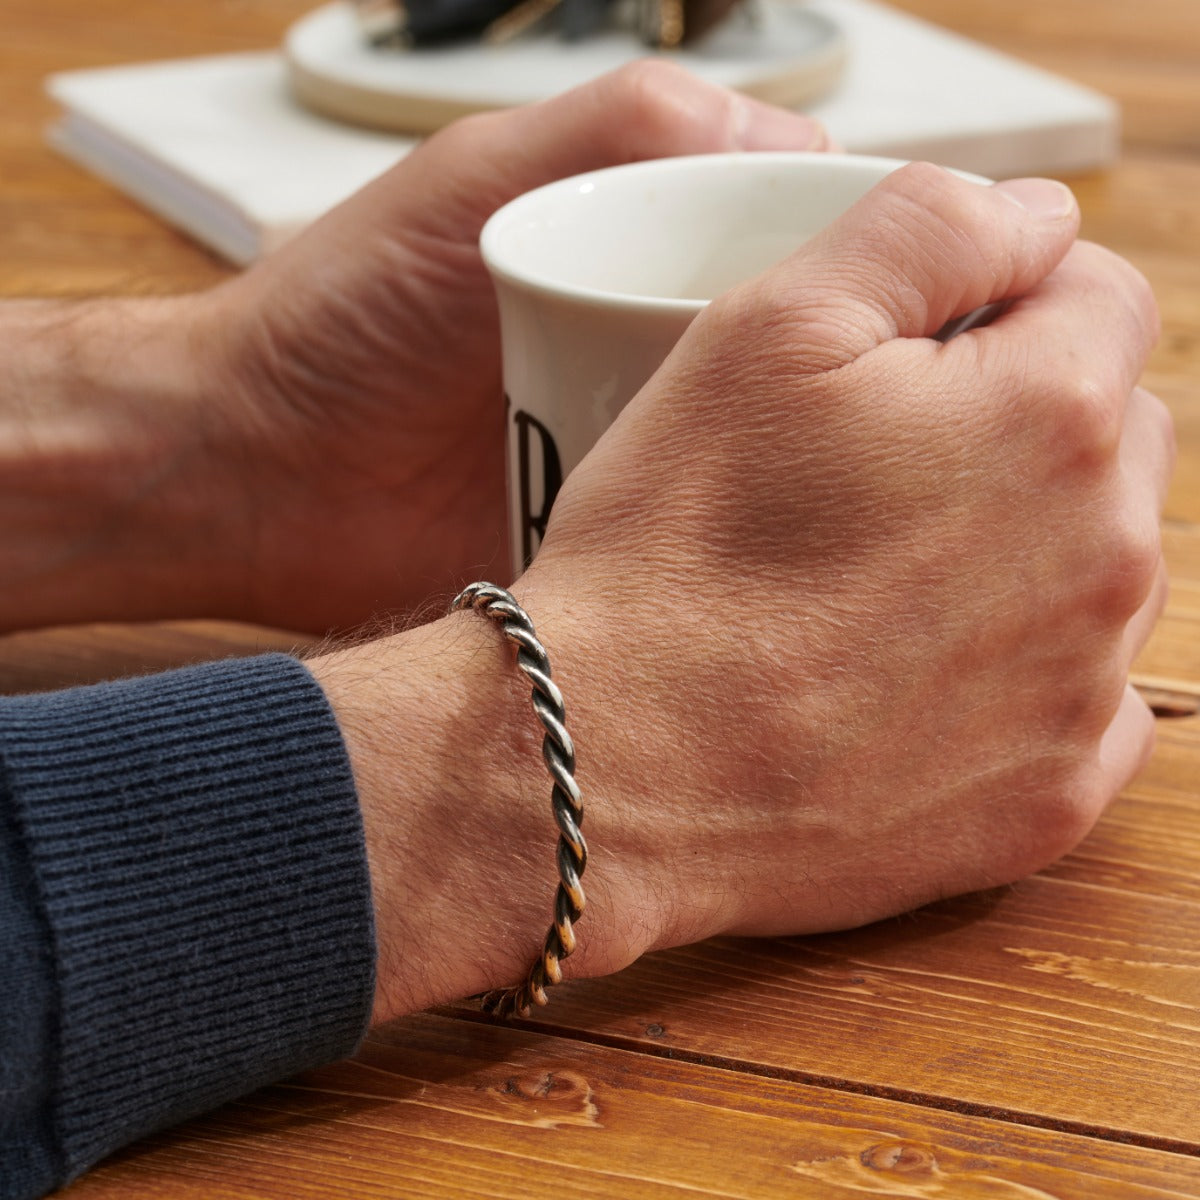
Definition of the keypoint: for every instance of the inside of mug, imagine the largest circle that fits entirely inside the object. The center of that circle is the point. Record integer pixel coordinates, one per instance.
(676, 229)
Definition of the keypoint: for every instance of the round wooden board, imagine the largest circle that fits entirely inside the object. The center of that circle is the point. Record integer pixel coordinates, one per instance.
(787, 55)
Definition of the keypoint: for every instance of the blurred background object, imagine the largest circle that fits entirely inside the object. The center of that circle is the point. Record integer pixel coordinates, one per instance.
(662, 24)
(788, 53)
(219, 146)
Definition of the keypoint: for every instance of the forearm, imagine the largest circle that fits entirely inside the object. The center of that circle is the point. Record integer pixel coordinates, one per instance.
(117, 479)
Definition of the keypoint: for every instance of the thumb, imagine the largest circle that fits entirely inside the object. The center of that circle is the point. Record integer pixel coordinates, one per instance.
(921, 248)
(647, 109)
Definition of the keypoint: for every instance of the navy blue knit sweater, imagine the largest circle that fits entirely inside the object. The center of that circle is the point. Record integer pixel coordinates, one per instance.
(185, 911)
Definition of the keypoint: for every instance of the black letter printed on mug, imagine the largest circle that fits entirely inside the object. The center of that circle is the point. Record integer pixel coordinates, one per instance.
(533, 522)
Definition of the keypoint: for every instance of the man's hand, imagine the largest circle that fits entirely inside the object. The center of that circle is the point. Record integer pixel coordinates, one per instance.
(323, 437)
(843, 615)
(861, 604)
(371, 348)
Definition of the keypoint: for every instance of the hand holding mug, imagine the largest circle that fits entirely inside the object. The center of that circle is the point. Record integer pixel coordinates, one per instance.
(367, 354)
(848, 612)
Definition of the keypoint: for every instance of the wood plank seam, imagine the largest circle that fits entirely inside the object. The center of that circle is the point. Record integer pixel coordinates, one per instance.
(1010, 1116)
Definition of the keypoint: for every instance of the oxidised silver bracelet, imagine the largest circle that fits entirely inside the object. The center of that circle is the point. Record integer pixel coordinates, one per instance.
(558, 753)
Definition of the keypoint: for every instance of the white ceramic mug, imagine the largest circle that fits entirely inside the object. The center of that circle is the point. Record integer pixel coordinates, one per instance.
(599, 275)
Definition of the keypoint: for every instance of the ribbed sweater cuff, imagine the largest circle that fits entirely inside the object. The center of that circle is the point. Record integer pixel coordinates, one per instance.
(198, 852)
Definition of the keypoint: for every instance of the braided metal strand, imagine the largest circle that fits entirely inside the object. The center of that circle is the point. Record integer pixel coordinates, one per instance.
(558, 753)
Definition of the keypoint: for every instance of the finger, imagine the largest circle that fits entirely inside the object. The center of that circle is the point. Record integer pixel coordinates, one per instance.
(1087, 330)
(1126, 745)
(1146, 460)
(1147, 451)
(1141, 625)
(648, 109)
(922, 247)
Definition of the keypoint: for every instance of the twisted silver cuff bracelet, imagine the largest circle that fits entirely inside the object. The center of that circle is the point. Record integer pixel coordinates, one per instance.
(558, 753)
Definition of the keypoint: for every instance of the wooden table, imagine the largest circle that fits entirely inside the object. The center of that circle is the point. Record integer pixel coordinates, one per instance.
(1039, 1041)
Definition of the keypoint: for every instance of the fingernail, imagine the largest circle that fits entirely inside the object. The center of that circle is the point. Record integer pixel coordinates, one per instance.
(1046, 199)
(764, 127)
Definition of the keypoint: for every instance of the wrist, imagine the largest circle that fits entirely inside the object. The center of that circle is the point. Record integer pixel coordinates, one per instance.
(452, 809)
(446, 754)
(113, 465)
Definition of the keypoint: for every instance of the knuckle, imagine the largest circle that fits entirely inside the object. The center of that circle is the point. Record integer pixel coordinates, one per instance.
(1049, 816)
(646, 92)
(467, 137)
(1085, 419)
(1128, 568)
(802, 330)
(1067, 811)
(920, 183)
(1079, 698)
(757, 312)
(647, 77)
(927, 201)
(738, 332)
(950, 237)
(763, 307)
(1065, 793)
(916, 201)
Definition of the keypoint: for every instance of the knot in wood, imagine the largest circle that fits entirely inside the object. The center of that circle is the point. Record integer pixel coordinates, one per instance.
(541, 1085)
(900, 1158)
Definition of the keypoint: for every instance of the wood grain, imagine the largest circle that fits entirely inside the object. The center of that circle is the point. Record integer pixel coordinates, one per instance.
(1073, 1003)
(57, 658)
(62, 232)
(1147, 56)
(437, 1107)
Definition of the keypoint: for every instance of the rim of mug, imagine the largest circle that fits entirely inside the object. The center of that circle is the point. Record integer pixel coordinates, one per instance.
(504, 265)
